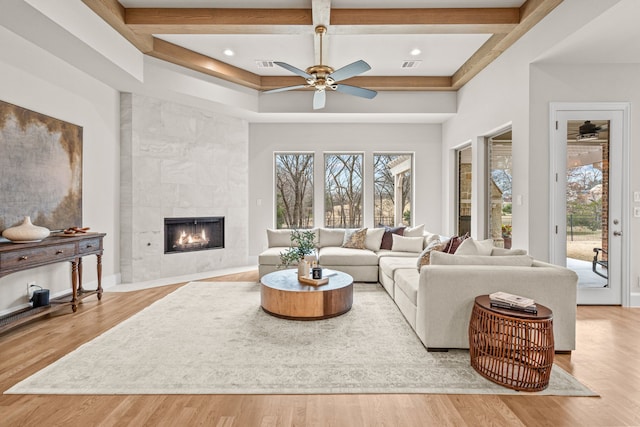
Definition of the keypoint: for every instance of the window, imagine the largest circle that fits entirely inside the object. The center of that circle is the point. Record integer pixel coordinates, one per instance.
(464, 188)
(499, 191)
(343, 191)
(294, 190)
(392, 176)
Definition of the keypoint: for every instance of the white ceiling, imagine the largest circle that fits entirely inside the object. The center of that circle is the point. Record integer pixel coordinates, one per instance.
(614, 38)
(441, 54)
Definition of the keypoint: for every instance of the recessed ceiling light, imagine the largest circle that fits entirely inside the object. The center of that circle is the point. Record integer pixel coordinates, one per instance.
(415, 52)
(229, 52)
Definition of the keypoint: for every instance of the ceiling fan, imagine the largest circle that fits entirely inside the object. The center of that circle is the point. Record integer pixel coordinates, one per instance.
(589, 131)
(322, 77)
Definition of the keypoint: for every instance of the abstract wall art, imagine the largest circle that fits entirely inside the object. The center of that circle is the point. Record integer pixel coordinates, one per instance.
(40, 169)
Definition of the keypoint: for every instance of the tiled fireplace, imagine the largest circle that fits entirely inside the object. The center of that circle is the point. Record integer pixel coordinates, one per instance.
(193, 234)
(180, 162)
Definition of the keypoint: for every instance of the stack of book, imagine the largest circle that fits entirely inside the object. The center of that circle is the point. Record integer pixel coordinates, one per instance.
(513, 302)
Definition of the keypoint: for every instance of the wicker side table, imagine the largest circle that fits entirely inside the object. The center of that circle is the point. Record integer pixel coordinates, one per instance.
(511, 348)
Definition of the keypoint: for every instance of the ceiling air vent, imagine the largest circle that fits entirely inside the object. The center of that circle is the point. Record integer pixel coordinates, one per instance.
(410, 64)
(264, 64)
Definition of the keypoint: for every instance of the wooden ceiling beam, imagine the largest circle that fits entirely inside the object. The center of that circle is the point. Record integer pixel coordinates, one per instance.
(531, 12)
(417, 83)
(218, 21)
(112, 12)
(293, 21)
(204, 64)
(492, 20)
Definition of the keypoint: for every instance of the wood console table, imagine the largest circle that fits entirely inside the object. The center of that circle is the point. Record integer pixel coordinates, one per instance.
(56, 248)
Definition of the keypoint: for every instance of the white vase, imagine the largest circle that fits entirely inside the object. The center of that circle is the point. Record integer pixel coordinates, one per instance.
(26, 232)
(303, 268)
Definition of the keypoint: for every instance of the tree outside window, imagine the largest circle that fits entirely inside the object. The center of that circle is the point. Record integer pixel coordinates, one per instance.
(294, 190)
(343, 191)
(392, 176)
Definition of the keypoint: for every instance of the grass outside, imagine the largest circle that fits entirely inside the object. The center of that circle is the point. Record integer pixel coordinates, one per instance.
(582, 249)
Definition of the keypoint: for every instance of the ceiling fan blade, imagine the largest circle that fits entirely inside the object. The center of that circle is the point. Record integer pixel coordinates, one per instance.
(284, 89)
(357, 91)
(350, 70)
(293, 69)
(319, 98)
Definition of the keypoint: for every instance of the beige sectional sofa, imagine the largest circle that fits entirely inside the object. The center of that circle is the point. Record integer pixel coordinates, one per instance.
(437, 299)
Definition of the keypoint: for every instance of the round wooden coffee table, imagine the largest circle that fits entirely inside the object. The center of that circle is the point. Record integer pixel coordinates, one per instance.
(282, 295)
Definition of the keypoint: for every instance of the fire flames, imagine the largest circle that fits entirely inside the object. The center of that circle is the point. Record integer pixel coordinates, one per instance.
(188, 241)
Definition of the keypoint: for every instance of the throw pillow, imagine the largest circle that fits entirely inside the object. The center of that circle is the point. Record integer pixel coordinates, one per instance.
(354, 239)
(417, 231)
(442, 258)
(406, 244)
(374, 239)
(425, 257)
(475, 247)
(387, 240)
(454, 242)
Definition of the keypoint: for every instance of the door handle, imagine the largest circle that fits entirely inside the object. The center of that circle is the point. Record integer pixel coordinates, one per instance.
(617, 233)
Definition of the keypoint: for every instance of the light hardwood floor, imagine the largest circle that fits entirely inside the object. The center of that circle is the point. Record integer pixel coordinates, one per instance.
(606, 360)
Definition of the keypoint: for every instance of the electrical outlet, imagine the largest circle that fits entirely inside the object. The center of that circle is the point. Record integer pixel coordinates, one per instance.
(31, 288)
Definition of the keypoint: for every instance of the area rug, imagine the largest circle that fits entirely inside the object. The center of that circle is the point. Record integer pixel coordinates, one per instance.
(213, 338)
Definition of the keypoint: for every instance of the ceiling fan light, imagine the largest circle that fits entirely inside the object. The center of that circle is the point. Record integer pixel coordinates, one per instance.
(229, 52)
(415, 52)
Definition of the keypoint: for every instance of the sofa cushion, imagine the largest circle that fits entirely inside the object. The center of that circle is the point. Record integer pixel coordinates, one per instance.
(441, 258)
(425, 256)
(331, 237)
(475, 247)
(389, 265)
(417, 231)
(503, 252)
(271, 256)
(386, 253)
(279, 238)
(374, 239)
(282, 238)
(407, 244)
(387, 240)
(354, 238)
(331, 255)
(407, 281)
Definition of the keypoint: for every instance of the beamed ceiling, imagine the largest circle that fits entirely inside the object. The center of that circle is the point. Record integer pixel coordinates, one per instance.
(456, 42)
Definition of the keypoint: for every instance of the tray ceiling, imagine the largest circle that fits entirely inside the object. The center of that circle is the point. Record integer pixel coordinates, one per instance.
(456, 39)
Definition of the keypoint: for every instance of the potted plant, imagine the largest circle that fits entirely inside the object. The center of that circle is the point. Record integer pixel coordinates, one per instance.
(506, 235)
(303, 253)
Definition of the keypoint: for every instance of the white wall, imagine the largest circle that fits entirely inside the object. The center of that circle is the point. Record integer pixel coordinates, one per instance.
(580, 83)
(34, 79)
(499, 96)
(265, 139)
(512, 90)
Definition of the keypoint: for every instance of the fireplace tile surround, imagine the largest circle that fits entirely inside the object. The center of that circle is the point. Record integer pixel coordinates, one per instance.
(179, 161)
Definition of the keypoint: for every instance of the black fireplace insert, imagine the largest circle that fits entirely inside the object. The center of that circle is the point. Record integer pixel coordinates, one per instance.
(193, 234)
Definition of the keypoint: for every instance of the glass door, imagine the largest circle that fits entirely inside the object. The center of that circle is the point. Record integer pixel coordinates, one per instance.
(589, 202)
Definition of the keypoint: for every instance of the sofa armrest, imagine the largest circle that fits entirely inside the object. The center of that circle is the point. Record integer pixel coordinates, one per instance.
(446, 295)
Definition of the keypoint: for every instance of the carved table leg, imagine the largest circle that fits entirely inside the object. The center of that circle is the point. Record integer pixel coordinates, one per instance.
(80, 289)
(74, 286)
(99, 267)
